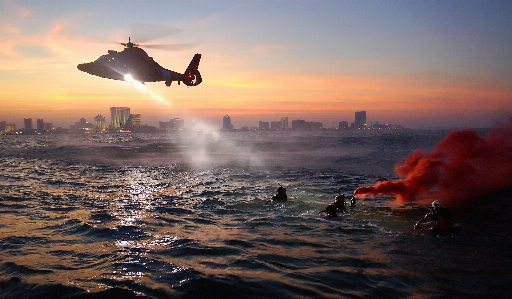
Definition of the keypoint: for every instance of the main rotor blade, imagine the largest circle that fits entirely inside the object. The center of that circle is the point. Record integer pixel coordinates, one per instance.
(141, 33)
(171, 47)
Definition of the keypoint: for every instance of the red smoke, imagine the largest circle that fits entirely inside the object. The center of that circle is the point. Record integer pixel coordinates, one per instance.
(462, 166)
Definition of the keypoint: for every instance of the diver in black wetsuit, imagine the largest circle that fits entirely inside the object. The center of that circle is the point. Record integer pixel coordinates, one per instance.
(281, 194)
(336, 206)
(437, 217)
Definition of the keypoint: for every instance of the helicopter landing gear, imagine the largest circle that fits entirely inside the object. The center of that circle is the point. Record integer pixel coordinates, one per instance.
(168, 83)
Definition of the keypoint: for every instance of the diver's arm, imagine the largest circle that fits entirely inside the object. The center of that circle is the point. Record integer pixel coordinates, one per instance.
(424, 219)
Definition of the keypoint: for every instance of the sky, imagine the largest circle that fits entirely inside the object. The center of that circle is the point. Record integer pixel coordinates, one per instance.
(416, 63)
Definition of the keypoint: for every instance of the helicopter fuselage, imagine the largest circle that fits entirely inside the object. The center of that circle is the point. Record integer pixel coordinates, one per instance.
(134, 64)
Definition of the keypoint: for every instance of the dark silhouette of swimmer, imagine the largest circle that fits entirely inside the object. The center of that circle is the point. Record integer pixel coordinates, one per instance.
(281, 194)
(437, 217)
(336, 206)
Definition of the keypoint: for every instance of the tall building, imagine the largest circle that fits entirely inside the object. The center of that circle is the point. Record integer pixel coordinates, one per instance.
(226, 123)
(28, 124)
(3, 124)
(100, 122)
(40, 126)
(119, 117)
(360, 119)
(284, 123)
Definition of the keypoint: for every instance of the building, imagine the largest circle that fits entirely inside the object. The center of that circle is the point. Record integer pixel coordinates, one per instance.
(264, 125)
(28, 124)
(82, 123)
(226, 123)
(40, 126)
(343, 125)
(48, 127)
(284, 123)
(276, 125)
(99, 123)
(82, 126)
(172, 125)
(135, 120)
(360, 119)
(10, 128)
(298, 124)
(315, 125)
(119, 117)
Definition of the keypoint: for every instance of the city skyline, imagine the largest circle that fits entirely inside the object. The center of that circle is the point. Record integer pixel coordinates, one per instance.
(121, 119)
(421, 64)
(242, 123)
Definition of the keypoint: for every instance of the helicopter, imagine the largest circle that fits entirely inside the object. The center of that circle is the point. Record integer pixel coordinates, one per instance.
(134, 64)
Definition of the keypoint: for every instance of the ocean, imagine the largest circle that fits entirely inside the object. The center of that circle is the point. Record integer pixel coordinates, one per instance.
(186, 215)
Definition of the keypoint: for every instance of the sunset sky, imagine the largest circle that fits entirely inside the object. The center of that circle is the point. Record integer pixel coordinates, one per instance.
(417, 63)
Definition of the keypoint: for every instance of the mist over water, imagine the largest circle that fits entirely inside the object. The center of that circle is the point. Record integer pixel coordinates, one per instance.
(185, 215)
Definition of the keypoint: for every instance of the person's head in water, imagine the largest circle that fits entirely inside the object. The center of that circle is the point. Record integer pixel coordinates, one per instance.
(336, 206)
(435, 204)
(443, 212)
(339, 200)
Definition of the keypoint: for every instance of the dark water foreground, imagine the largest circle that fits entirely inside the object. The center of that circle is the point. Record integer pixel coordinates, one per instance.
(184, 216)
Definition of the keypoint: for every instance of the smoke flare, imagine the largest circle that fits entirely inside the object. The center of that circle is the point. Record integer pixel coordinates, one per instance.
(462, 166)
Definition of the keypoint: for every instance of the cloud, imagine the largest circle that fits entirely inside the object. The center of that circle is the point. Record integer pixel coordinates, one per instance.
(12, 11)
(12, 17)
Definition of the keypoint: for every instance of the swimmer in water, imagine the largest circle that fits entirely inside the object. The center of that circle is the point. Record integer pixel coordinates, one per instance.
(281, 194)
(437, 217)
(338, 205)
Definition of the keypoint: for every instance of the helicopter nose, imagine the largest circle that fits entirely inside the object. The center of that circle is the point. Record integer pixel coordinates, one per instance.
(86, 67)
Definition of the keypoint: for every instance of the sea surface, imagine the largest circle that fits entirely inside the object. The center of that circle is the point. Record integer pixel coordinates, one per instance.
(186, 215)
